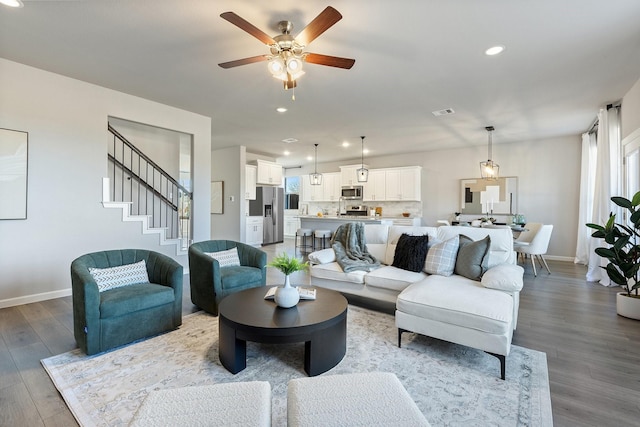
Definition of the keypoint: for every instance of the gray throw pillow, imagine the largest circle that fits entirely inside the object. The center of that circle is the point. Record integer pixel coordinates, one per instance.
(472, 257)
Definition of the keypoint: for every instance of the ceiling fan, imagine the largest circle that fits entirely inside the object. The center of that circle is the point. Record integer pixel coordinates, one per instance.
(287, 54)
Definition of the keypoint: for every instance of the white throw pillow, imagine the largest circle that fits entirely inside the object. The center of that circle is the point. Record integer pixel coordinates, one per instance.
(505, 277)
(324, 256)
(122, 275)
(226, 258)
(441, 258)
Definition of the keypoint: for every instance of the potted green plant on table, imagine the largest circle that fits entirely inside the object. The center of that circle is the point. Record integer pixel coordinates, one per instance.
(287, 296)
(623, 254)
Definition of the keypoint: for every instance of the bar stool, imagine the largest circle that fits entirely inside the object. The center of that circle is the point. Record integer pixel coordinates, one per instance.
(302, 234)
(321, 234)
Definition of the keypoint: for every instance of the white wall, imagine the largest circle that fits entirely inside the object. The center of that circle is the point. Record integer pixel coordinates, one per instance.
(67, 124)
(630, 115)
(548, 174)
(227, 165)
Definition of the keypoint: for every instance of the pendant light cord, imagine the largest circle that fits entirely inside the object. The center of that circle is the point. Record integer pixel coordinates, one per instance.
(362, 153)
(315, 168)
(490, 129)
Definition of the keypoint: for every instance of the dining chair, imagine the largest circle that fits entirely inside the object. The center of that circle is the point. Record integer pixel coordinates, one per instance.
(537, 248)
(525, 237)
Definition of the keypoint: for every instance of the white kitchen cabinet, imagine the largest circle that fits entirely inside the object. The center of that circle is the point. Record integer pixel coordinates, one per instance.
(291, 225)
(328, 191)
(349, 174)
(250, 180)
(268, 173)
(254, 230)
(375, 187)
(311, 193)
(331, 186)
(403, 184)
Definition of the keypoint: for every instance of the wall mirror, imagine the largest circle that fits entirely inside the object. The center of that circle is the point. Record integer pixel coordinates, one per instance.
(493, 196)
(13, 174)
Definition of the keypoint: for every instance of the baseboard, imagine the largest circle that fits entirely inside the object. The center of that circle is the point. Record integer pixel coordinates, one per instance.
(28, 299)
(559, 258)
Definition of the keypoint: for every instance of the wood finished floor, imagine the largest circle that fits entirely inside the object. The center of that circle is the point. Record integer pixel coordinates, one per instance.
(593, 354)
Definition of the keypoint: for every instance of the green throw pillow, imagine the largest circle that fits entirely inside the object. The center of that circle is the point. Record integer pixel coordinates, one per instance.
(472, 257)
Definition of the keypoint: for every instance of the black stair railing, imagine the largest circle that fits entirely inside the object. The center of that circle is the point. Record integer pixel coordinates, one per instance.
(138, 180)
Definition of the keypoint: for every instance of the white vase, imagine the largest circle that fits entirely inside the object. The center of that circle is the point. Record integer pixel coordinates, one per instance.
(287, 296)
(628, 306)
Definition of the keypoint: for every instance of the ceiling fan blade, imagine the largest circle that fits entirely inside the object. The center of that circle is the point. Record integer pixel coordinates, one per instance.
(244, 61)
(331, 61)
(319, 25)
(248, 27)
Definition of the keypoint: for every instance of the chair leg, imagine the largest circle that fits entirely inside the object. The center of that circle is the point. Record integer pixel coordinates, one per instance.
(545, 263)
(533, 264)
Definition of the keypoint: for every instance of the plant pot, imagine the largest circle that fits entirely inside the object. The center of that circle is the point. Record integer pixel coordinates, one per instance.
(286, 296)
(628, 306)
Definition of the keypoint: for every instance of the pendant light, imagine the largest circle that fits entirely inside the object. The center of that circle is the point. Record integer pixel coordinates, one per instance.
(363, 173)
(489, 169)
(315, 178)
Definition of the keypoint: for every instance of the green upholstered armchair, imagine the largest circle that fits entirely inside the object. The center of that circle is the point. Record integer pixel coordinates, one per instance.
(108, 319)
(210, 282)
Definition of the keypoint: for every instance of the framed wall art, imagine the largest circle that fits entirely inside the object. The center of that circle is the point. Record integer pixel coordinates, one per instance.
(14, 149)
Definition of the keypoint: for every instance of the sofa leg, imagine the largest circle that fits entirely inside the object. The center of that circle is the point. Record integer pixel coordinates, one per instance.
(400, 331)
(503, 363)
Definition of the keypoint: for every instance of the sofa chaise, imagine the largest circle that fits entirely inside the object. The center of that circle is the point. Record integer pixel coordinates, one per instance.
(474, 303)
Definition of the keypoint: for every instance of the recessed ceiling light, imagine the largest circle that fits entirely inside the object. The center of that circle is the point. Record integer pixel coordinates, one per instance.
(281, 110)
(443, 112)
(345, 144)
(494, 50)
(12, 3)
(287, 152)
(365, 151)
(309, 158)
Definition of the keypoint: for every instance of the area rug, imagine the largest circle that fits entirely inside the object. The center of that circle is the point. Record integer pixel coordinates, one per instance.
(451, 384)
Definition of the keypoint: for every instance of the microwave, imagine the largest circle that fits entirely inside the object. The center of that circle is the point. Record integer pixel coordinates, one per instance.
(352, 192)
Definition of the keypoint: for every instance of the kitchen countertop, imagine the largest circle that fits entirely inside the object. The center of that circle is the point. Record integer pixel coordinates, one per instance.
(354, 217)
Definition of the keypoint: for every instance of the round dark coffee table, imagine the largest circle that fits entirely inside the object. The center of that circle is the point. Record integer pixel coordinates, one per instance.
(321, 324)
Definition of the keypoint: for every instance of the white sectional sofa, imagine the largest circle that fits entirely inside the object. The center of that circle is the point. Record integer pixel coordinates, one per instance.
(478, 313)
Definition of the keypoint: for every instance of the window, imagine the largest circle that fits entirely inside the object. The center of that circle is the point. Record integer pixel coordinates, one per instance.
(291, 192)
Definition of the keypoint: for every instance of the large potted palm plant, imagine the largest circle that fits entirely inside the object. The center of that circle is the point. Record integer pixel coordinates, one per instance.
(623, 254)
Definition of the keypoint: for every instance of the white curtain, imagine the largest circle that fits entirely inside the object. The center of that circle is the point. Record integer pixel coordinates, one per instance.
(587, 185)
(608, 183)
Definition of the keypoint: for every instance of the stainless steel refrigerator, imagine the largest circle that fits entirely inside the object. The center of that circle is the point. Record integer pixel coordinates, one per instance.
(269, 204)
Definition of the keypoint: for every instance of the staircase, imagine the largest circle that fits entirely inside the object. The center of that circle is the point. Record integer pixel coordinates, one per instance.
(144, 192)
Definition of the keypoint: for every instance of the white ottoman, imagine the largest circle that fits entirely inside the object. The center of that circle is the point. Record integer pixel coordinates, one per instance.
(364, 399)
(241, 403)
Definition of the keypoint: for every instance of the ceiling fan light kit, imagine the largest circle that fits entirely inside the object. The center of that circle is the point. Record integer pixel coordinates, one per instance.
(489, 169)
(287, 57)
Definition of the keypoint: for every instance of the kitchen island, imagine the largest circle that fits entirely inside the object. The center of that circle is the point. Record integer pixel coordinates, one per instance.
(332, 222)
